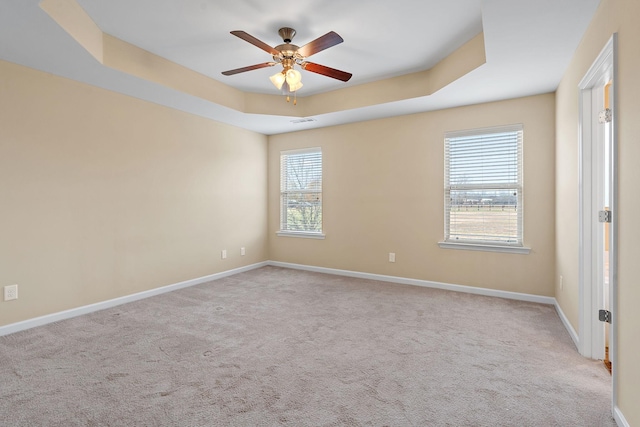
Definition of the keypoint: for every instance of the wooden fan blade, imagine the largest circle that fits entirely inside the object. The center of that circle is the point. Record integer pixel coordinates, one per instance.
(327, 71)
(249, 68)
(254, 41)
(321, 43)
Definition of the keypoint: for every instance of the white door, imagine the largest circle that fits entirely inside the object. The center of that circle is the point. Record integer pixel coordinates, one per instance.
(602, 201)
(598, 203)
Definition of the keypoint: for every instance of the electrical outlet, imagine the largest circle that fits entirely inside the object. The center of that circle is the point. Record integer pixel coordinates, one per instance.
(392, 257)
(224, 254)
(242, 252)
(10, 292)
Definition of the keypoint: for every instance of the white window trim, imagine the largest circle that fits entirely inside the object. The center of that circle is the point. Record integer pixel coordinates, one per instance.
(518, 248)
(485, 247)
(301, 234)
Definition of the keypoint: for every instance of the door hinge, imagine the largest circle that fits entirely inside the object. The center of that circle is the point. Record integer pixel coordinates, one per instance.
(604, 216)
(604, 316)
(605, 116)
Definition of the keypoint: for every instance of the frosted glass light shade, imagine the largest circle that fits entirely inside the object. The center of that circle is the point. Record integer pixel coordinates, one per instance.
(277, 80)
(293, 88)
(293, 77)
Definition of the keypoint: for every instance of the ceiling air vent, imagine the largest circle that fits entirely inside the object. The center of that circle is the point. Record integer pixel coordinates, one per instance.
(303, 120)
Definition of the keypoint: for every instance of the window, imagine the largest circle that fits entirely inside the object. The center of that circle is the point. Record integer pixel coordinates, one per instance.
(483, 188)
(301, 193)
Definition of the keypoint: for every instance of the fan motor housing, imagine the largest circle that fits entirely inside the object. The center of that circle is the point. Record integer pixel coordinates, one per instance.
(287, 50)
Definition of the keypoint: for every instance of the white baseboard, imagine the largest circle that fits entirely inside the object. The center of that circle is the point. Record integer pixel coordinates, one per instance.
(620, 419)
(67, 314)
(572, 332)
(424, 283)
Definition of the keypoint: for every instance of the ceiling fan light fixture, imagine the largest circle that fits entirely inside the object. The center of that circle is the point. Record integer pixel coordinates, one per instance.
(278, 80)
(293, 77)
(295, 87)
(288, 55)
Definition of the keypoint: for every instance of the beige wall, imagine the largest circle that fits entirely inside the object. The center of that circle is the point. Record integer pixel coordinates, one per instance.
(383, 192)
(612, 16)
(103, 195)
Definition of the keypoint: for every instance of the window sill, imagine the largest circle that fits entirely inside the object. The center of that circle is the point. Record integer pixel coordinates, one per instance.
(485, 247)
(301, 234)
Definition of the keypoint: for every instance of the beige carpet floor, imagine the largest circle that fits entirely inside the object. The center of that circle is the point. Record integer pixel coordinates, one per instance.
(276, 347)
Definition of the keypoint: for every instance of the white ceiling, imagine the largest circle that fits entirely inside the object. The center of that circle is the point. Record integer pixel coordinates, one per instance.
(528, 47)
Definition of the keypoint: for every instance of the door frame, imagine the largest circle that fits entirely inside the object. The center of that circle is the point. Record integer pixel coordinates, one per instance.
(591, 340)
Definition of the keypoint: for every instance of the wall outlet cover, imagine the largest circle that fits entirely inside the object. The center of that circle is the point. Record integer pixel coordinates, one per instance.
(10, 292)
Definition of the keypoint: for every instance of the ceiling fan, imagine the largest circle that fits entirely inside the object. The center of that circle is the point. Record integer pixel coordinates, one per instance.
(289, 55)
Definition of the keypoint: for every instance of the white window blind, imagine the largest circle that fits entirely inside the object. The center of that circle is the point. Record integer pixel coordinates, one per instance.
(483, 186)
(301, 190)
